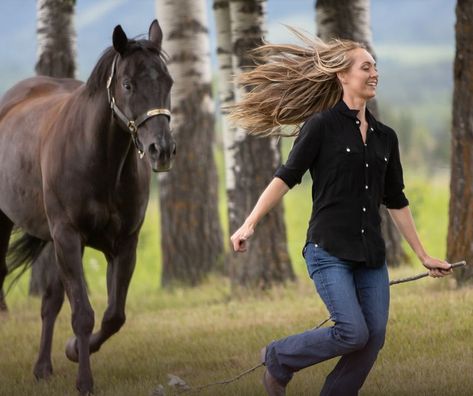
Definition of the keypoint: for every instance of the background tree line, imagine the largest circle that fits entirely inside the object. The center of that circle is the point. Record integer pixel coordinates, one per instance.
(192, 242)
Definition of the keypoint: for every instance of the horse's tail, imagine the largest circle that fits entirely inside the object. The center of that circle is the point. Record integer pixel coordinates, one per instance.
(22, 252)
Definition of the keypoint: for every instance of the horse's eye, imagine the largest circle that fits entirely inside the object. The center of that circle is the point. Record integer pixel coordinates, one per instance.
(127, 85)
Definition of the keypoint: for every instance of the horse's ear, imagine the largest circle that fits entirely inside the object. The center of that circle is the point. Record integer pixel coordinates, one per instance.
(120, 41)
(155, 34)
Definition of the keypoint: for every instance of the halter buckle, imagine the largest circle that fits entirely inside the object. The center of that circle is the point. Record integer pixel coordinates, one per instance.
(132, 126)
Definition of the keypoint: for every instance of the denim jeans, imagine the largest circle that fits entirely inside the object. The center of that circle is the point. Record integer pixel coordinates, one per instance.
(357, 298)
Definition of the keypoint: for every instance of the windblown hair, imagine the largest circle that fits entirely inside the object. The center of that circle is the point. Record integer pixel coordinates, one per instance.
(290, 83)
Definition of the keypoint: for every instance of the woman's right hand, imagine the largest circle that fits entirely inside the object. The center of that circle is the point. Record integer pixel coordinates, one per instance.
(240, 237)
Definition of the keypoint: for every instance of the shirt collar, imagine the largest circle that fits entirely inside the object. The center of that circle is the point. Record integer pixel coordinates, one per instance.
(342, 107)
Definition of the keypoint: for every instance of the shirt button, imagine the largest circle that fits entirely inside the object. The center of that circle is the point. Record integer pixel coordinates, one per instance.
(366, 187)
(366, 144)
(364, 209)
(366, 165)
(348, 149)
(357, 122)
(385, 159)
(371, 129)
(362, 230)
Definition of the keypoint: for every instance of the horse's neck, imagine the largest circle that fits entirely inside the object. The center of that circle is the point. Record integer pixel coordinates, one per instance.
(110, 144)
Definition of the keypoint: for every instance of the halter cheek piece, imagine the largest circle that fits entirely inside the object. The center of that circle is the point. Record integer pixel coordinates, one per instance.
(132, 125)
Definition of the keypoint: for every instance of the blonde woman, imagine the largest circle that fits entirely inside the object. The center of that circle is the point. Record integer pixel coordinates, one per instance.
(355, 166)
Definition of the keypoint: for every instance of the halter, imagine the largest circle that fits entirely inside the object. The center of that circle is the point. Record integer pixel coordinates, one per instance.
(132, 125)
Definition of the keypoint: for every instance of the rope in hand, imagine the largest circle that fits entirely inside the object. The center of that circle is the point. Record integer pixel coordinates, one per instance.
(187, 388)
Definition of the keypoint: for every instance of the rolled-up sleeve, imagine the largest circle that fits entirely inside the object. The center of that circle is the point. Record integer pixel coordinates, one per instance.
(303, 152)
(394, 197)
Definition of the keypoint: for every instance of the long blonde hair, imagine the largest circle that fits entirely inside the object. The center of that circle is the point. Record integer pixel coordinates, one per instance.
(290, 83)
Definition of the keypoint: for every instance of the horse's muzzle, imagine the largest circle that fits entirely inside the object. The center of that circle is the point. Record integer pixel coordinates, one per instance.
(161, 156)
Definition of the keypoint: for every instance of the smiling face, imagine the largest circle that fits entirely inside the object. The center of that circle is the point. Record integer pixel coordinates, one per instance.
(361, 79)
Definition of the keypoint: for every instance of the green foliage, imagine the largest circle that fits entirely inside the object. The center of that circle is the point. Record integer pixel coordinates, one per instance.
(203, 334)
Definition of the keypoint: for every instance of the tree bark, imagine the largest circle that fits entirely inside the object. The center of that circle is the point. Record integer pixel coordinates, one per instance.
(191, 235)
(350, 19)
(460, 227)
(251, 163)
(56, 38)
(56, 58)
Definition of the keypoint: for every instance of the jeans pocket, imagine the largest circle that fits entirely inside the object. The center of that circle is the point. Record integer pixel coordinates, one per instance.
(304, 249)
(310, 256)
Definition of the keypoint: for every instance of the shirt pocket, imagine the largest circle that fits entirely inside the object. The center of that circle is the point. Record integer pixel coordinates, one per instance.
(350, 157)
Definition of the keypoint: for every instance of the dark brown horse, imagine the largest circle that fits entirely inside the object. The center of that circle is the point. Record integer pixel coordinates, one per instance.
(71, 176)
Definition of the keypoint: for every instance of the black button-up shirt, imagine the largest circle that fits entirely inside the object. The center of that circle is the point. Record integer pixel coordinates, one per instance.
(350, 181)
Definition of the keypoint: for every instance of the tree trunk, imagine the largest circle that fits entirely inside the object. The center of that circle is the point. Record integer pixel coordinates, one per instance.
(226, 90)
(56, 58)
(56, 38)
(350, 19)
(190, 227)
(251, 163)
(460, 227)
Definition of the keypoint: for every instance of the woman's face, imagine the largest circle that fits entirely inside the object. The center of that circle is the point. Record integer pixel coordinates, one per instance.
(362, 77)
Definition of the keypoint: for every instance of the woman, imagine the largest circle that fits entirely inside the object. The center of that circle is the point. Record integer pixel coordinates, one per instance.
(355, 165)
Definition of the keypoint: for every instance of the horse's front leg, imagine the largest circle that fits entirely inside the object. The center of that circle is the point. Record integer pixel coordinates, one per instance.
(68, 248)
(119, 272)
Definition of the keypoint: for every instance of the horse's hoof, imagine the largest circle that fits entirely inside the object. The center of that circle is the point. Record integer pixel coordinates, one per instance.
(43, 371)
(71, 349)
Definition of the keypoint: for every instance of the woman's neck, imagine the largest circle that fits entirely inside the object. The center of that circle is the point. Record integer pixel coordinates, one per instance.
(356, 103)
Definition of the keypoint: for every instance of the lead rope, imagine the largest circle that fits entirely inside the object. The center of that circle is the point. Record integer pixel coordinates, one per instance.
(182, 387)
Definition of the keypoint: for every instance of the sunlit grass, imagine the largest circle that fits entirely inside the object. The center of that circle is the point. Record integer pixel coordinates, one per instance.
(203, 334)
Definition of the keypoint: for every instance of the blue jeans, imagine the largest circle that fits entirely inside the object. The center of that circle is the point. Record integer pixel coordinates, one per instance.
(357, 298)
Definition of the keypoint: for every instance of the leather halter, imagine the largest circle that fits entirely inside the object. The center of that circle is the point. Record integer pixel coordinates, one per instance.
(132, 125)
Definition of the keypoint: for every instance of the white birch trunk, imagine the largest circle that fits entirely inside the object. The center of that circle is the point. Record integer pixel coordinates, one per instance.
(56, 57)
(191, 232)
(56, 51)
(251, 163)
(225, 84)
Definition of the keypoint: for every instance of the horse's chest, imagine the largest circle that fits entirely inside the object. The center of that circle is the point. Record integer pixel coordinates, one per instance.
(106, 222)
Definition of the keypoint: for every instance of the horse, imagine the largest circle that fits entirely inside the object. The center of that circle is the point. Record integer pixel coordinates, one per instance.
(72, 175)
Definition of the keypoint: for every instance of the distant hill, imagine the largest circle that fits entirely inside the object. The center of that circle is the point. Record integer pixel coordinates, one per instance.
(414, 39)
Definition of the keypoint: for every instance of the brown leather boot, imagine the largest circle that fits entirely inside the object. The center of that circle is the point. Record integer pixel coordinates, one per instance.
(271, 384)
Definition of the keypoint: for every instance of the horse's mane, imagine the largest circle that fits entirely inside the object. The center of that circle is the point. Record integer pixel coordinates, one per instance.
(98, 78)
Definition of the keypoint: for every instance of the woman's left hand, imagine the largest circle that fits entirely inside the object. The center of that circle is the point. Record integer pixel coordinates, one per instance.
(438, 268)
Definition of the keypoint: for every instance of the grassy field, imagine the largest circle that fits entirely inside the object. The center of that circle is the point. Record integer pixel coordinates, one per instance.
(204, 335)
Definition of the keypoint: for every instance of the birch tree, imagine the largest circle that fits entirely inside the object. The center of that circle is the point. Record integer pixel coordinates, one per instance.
(56, 57)
(191, 238)
(460, 227)
(350, 19)
(250, 161)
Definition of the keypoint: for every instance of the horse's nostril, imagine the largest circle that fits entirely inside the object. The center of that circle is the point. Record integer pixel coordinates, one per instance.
(153, 149)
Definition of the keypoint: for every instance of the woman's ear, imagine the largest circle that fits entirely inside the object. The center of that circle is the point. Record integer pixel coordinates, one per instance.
(342, 77)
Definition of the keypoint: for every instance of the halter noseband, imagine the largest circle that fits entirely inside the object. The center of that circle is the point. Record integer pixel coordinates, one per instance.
(132, 125)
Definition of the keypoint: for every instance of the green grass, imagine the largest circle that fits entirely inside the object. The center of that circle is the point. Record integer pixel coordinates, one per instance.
(204, 335)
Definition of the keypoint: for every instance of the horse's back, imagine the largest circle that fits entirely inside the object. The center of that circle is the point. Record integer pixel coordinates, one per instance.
(35, 88)
(25, 111)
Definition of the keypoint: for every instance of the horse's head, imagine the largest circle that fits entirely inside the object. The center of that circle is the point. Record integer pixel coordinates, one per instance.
(139, 91)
